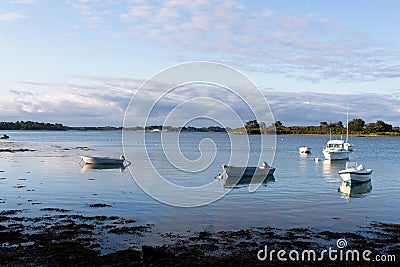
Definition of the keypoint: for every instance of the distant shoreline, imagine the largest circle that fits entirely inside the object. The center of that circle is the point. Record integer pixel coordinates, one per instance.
(396, 135)
(278, 129)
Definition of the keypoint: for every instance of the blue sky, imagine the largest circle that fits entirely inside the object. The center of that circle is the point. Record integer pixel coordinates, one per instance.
(78, 62)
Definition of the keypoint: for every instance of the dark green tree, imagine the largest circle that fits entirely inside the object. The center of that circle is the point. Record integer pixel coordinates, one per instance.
(356, 125)
(252, 127)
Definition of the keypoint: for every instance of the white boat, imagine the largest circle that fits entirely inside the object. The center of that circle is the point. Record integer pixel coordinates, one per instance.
(348, 146)
(335, 150)
(355, 173)
(305, 150)
(262, 171)
(103, 160)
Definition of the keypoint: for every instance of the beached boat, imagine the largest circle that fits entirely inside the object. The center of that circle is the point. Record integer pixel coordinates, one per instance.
(103, 160)
(355, 173)
(5, 136)
(304, 150)
(335, 150)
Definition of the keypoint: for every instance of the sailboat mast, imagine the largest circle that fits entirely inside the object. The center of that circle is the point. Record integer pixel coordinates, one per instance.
(347, 126)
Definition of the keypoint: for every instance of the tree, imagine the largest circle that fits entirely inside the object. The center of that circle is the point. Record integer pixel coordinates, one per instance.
(381, 126)
(378, 127)
(278, 124)
(252, 127)
(356, 125)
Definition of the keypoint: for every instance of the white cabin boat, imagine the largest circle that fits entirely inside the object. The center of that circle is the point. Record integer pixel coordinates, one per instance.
(103, 160)
(335, 150)
(304, 150)
(355, 173)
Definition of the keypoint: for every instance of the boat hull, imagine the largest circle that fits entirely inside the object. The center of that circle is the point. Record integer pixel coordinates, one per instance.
(249, 171)
(355, 176)
(102, 160)
(355, 190)
(304, 150)
(335, 155)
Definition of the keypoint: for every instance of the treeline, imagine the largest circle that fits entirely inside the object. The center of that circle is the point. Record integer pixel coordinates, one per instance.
(37, 126)
(95, 128)
(32, 125)
(356, 127)
(178, 129)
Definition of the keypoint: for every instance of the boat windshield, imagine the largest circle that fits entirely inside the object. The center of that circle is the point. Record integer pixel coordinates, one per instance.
(335, 146)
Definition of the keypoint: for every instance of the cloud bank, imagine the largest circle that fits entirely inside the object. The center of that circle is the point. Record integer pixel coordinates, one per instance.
(99, 101)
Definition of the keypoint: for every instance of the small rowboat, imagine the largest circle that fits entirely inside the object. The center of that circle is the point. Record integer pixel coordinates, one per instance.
(103, 160)
(355, 173)
(262, 171)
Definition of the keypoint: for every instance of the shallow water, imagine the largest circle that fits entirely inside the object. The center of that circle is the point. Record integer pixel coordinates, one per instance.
(304, 193)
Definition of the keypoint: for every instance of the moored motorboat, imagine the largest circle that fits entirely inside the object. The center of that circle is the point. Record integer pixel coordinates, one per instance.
(103, 160)
(335, 150)
(304, 150)
(355, 173)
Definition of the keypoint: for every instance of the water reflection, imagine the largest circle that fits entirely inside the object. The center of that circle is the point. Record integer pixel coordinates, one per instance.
(355, 190)
(331, 169)
(236, 181)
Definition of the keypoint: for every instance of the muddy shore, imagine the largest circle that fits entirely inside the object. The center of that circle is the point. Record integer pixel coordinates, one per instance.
(60, 238)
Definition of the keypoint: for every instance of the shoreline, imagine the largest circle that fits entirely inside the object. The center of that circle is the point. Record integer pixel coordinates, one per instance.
(58, 238)
(235, 133)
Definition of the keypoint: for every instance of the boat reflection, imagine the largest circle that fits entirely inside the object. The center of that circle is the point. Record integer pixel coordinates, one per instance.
(355, 190)
(88, 167)
(331, 169)
(236, 181)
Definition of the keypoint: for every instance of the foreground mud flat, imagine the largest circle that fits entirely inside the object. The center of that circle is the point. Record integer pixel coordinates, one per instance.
(62, 239)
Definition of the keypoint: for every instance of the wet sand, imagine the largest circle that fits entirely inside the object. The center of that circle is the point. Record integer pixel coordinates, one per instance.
(61, 238)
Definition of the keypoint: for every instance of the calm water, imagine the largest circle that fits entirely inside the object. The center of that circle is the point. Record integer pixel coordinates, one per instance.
(303, 194)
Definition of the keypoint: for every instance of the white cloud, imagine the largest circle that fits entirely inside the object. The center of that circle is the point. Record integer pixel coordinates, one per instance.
(290, 108)
(304, 46)
(103, 100)
(22, 1)
(10, 16)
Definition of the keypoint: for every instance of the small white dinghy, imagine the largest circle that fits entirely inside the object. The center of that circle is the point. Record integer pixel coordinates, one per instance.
(355, 173)
(103, 160)
(304, 150)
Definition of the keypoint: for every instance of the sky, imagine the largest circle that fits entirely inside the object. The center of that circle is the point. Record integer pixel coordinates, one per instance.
(79, 62)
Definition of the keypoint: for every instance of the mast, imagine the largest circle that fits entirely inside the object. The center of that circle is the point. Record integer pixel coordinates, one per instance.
(347, 126)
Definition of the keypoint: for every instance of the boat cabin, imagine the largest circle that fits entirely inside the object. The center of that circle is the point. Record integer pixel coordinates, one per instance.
(336, 144)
